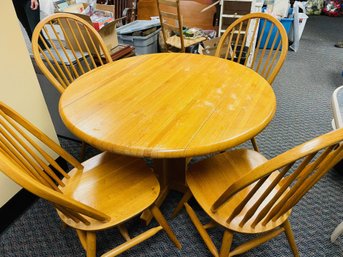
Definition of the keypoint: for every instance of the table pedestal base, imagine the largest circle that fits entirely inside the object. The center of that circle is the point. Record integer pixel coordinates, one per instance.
(171, 175)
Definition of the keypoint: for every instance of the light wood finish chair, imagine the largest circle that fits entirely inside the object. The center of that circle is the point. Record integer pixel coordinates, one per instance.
(102, 192)
(264, 52)
(75, 48)
(172, 27)
(65, 47)
(244, 192)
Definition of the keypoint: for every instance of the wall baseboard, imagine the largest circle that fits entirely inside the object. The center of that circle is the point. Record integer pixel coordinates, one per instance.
(22, 200)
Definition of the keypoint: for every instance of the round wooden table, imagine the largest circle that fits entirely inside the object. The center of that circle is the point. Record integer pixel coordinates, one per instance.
(168, 107)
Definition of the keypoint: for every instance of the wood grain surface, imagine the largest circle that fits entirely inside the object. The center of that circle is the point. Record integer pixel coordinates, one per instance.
(168, 105)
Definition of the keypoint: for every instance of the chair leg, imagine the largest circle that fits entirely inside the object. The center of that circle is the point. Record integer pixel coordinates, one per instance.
(91, 244)
(226, 244)
(185, 198)
(82, 237)
(290, 238)
(124, 232)
(203, 233)
(162, 221)
(254, 144)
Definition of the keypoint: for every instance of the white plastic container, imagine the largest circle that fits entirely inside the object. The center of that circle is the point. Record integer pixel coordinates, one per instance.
(298, 25)
(337, 107)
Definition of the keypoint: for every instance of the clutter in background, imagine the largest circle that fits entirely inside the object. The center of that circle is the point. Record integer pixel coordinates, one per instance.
(333, 7)
(189, 33)
(194, 33)
(99, 15)
(327, 7)
(295, 23)
(60, 5)
(293, 20)
(46, 8)
(277, 8)
(99, 18)
(143, 35)
(314, 7)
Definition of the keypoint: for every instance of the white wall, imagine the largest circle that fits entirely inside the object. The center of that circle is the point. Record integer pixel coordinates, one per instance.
(19, 86)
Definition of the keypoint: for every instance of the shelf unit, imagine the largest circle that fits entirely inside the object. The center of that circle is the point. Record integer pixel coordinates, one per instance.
(230, 10)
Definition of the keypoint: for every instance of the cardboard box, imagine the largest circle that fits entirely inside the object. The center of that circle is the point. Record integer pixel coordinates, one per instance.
(210, 46)
(107, 30)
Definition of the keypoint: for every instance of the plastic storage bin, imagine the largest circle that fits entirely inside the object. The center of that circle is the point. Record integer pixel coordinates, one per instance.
(143, 44)
(138, 25)
(286, 22)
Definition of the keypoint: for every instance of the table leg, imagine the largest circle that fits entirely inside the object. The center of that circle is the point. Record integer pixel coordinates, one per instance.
(171, 175)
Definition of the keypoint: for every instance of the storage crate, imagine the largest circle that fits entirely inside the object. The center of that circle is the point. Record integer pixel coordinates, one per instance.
(286, 22)
(143, 44)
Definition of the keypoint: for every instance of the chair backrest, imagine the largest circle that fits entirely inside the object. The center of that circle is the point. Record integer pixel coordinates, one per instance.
(65, 46)
(23, 159)
(171, 23)
(272, 189)
(258, 41)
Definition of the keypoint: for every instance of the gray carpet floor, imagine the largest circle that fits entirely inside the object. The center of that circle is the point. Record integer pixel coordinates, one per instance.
(303, 88)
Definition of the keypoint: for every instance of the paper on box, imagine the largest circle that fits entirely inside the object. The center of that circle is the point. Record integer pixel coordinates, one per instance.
(108, 32)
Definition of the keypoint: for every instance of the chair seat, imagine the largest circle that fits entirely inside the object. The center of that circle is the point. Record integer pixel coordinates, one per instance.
(175, 41)
(208, 179)
(119, 186)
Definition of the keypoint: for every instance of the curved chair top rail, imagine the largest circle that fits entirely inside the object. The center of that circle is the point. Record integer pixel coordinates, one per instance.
(66, 46)
(256, 40)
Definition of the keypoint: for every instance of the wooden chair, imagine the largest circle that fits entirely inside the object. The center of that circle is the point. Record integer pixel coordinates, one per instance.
(172, 27)
(102, 192)
(244, 192)
(258, 41)
(64, 47)
(75, 48)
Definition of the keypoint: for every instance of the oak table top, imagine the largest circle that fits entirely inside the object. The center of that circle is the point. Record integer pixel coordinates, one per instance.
(168, 105)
